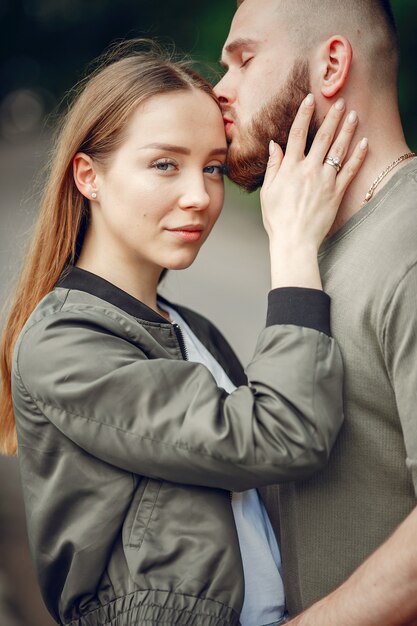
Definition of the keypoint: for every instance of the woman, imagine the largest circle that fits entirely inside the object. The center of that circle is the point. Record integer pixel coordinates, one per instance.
(129, 448)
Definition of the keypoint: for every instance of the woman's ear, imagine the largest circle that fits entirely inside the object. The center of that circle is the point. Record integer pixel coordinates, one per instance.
(85, 175)
(335, 63)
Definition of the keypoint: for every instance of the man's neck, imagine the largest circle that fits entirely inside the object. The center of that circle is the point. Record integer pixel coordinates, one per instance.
(376, 162)
(386, 144)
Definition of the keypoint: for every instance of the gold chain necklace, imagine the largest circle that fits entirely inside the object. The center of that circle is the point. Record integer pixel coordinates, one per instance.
(370, 192)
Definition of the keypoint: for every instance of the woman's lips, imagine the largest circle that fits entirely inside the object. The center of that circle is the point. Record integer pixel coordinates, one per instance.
(187, 234)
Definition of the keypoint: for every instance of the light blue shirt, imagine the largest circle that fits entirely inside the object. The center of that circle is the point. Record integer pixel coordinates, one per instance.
(264, 601)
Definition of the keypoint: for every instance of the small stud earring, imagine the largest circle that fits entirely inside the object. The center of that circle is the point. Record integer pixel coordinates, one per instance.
(94, 195)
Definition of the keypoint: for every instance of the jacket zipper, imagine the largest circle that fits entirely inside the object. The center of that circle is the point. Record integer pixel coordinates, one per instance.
(181, 341)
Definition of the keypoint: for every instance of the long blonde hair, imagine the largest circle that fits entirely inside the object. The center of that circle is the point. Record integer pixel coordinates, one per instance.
(125, 77)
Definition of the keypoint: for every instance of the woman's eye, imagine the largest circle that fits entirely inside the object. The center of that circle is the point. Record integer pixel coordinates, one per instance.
(164, 166)
(215, 169)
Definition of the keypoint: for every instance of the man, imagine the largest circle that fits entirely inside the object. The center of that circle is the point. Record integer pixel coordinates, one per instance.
(356, 521)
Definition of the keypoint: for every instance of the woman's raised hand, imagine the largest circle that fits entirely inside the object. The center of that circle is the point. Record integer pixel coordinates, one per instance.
(301, 194)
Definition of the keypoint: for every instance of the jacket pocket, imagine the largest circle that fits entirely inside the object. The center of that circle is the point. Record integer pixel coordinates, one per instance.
(140, 513)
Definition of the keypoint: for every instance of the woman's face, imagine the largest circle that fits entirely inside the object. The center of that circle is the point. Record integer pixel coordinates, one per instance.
(162, 192)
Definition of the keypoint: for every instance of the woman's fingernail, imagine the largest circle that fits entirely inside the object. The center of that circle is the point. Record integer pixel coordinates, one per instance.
(352, 117)
(340, 104)
(309, 100)
(364, 143)
(271, 147)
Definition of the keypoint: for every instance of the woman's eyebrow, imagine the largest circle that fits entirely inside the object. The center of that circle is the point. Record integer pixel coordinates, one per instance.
(168, 147)
(218, 151)
(179, 149)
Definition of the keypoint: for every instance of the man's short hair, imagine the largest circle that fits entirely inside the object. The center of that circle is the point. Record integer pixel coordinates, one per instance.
(368, 24)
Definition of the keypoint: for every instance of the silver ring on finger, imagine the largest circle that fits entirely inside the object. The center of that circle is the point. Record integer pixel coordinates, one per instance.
(334, 162)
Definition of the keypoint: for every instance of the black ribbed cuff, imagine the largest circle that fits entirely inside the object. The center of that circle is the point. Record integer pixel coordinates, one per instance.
(299, 306)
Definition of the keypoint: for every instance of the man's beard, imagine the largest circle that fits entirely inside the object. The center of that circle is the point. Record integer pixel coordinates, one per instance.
(247, 160)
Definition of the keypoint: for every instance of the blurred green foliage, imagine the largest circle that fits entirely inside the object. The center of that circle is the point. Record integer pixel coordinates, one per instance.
(46, 44)
(406, 16)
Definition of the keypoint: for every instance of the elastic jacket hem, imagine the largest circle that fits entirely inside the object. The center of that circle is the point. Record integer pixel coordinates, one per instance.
(159, 608)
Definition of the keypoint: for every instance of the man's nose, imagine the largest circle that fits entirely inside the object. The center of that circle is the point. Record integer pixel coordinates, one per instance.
(224, 90)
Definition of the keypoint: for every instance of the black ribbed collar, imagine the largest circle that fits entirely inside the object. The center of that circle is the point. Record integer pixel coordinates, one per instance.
(82, 280)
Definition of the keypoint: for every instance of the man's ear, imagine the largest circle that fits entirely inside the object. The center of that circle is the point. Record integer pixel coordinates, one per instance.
(85, 175)
(335, 58)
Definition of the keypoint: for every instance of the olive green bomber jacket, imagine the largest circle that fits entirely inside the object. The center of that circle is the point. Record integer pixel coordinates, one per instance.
(128, 451)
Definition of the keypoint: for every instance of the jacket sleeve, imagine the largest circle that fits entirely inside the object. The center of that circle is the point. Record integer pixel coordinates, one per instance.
(84, 370)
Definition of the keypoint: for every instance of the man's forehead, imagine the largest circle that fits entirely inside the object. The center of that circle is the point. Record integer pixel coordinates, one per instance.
(253, 24)
(256, 14)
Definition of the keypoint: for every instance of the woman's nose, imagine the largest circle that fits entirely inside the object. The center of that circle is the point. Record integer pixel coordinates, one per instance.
(195, 197)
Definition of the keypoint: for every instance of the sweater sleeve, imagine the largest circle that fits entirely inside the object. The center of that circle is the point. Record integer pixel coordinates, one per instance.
(400, 347)
(87, 373)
